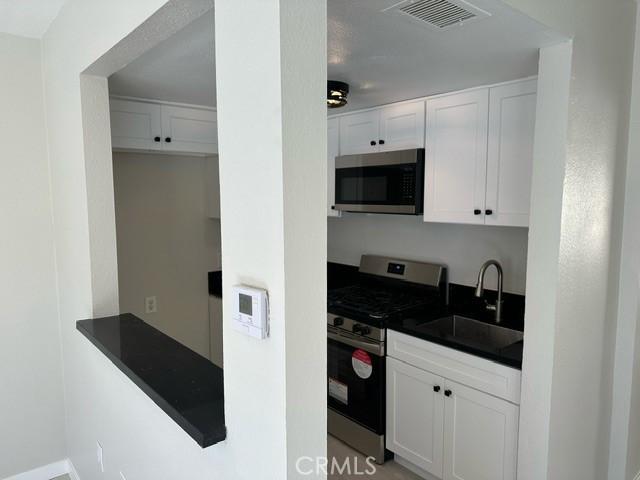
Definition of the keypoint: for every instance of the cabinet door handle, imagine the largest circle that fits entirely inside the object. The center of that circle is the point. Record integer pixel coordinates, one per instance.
(381, 142)
(488, 211)
(168, 139)
(447, 393)
(436, 388)
(477, 211)
(373, 142)
(156, 139)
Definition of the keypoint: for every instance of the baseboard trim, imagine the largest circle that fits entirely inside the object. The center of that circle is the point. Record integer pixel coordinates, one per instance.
(73, 473)
(45, 472)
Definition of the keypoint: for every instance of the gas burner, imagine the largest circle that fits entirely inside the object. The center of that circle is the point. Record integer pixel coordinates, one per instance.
(377, 303)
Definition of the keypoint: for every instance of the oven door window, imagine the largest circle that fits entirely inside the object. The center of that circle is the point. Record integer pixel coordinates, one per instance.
(356, 384)
(380, 185)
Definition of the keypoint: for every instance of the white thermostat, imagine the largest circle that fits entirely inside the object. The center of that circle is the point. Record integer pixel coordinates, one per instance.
(251, 311)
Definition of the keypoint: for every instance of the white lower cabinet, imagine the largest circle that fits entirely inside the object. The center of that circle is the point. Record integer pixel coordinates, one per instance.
(448, 429)
(480, 435)
(415, 415)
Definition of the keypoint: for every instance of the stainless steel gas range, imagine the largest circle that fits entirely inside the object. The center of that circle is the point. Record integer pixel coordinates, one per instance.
(387, 289)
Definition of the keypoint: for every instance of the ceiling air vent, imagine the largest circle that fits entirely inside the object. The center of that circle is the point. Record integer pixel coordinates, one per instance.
(440, 14)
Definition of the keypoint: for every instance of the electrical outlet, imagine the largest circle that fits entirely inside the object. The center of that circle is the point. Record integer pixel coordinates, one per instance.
(100, 457)
(150, 305)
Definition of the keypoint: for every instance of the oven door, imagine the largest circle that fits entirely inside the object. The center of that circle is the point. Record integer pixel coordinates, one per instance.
(356, 379)
(365, 183)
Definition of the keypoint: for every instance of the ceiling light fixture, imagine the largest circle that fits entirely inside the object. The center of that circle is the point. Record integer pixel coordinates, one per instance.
(337, 94)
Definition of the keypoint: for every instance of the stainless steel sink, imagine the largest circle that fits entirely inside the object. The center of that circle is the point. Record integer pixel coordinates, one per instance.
(471, 332)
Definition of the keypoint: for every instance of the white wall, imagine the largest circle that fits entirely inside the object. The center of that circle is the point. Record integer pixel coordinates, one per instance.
(138, 438)
(166, 243)
(625, 426)
(141, 440)
(463, 248)
(580, 268)
(31, 400)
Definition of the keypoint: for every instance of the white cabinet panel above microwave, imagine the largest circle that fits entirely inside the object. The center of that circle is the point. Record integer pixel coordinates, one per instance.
(402, 126)
(359, 133)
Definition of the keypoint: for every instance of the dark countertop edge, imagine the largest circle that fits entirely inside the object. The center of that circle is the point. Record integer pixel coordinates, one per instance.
(507, 362)
(204, 440)
(214, 279)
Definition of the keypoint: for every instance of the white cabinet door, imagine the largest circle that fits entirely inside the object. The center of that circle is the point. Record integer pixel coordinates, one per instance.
(512, 117)
(135, 125)
(402, 127)
(359, 132)
(415, 414)
(333, 150)
(189, 130)
(480, 435)
(212, 186)
(456, 157)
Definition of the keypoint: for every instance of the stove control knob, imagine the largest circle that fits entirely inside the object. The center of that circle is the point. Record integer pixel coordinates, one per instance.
(338, 321)
(361, 329)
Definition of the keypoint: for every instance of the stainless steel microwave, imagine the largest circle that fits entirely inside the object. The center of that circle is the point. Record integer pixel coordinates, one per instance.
(384, 182)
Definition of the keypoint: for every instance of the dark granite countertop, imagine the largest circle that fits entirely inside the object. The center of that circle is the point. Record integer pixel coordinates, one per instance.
(510, 355)
(463, 303)
(187, 386)
(215, 283)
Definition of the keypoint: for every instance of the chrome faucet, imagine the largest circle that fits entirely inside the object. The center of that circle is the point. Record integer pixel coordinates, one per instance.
(497, 307)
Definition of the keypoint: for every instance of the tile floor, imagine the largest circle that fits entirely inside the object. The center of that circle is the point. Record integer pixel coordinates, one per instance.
(338, 450)
(389, 471)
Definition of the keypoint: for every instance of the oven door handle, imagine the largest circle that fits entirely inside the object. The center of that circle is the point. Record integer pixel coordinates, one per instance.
(374, 348)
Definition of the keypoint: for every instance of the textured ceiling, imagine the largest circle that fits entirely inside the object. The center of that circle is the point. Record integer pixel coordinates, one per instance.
(28, 18)
(385, 57)
(180, 69)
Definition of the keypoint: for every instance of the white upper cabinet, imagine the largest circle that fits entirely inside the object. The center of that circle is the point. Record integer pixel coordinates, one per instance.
(394, 127)
(480, 435)
(189, 129)
(333, 150)
(479, 155)
(135, 125)
(359, 132)
(512, 117)
(143, 125)
(456, 157)
(401, 127)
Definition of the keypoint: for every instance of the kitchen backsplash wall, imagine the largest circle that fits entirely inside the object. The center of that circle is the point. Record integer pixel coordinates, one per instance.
(463, 248)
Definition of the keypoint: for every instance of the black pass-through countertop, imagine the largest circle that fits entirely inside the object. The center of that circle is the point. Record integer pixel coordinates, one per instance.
(187, 386)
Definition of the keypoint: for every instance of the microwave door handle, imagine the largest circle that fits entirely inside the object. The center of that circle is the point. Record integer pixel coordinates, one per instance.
(371, 347)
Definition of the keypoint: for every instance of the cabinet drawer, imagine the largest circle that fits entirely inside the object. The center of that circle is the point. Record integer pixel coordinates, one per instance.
(479, 373)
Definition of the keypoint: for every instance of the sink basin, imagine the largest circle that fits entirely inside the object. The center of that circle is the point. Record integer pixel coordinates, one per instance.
(471, 332)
